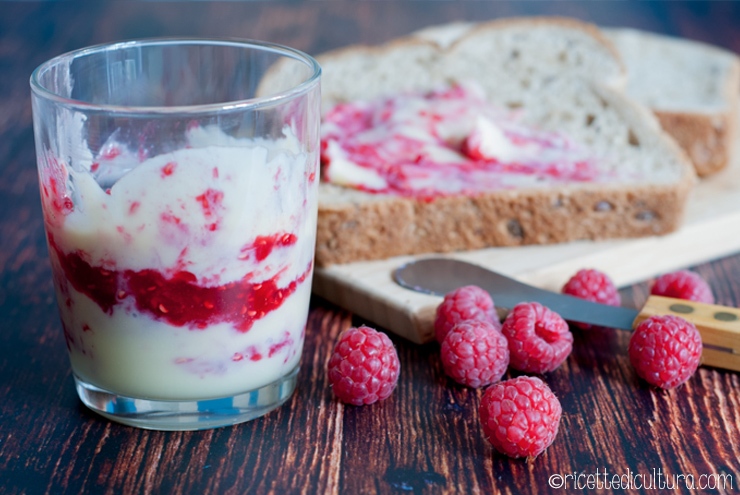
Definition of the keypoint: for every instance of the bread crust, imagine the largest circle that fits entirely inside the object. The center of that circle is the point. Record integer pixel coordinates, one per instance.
(396, 226)
(708, 139)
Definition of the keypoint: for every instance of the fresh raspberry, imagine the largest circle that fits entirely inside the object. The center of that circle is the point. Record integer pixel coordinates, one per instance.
(665, 350)
(364, 366)
(539, 338)
(683, 284)
(475, 353)
(520, 417)
(592, 285)
(465, 303)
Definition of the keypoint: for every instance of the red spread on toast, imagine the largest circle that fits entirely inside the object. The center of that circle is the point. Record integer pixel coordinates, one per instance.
(442, 143)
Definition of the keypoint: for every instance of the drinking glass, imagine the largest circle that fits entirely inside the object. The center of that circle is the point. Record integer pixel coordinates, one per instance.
(179, 182)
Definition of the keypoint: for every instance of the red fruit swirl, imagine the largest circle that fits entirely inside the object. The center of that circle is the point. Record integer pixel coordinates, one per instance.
(178, 299)
(402, 141)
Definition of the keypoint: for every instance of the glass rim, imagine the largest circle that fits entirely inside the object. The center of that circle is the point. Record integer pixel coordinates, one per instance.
(241, 104)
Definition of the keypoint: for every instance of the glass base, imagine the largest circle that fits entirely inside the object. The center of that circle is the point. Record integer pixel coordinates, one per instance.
(176, 415)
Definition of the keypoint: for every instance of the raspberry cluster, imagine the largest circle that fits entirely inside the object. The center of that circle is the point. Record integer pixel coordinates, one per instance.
(537, 340)
(520, 417)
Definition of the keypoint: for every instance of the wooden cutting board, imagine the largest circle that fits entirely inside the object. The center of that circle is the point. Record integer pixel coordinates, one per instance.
(711, 230)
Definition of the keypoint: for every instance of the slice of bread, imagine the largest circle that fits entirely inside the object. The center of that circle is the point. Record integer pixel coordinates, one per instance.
(544, 69)
(692, 87)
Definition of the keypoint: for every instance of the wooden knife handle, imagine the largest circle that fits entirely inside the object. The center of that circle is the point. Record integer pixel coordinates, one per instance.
(719, 327)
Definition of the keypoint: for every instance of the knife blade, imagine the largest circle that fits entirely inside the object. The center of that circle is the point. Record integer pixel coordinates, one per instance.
(718, 325)
(439, 276)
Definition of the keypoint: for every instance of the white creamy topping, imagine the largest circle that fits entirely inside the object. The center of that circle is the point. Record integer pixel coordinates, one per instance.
(345, 172)
(494, 145)
(170, 202)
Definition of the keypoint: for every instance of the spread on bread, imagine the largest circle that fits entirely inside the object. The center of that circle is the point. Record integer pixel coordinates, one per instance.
(446, 142)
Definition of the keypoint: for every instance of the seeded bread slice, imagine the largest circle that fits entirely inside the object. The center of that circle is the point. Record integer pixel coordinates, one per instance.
(692, 87)
(541, 68)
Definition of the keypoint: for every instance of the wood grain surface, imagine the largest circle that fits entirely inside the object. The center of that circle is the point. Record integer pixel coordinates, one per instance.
(425, 438)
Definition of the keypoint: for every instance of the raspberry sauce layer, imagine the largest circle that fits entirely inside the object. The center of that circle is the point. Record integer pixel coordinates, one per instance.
(179, 299)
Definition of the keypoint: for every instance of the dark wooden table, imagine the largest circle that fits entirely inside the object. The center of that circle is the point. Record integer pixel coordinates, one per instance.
(425, 438)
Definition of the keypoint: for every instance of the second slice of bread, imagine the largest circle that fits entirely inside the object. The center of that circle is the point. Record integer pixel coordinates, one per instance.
(692, 87)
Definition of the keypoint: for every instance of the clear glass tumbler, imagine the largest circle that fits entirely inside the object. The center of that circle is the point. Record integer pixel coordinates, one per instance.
(179, 183)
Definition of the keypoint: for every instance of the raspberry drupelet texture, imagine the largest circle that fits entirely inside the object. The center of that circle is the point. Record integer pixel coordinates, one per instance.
(592, 285)
(475, 353)
(520, 417)
(364, 366)
(539, 339)
(683, 284)
(665, 350)
(465, 303)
